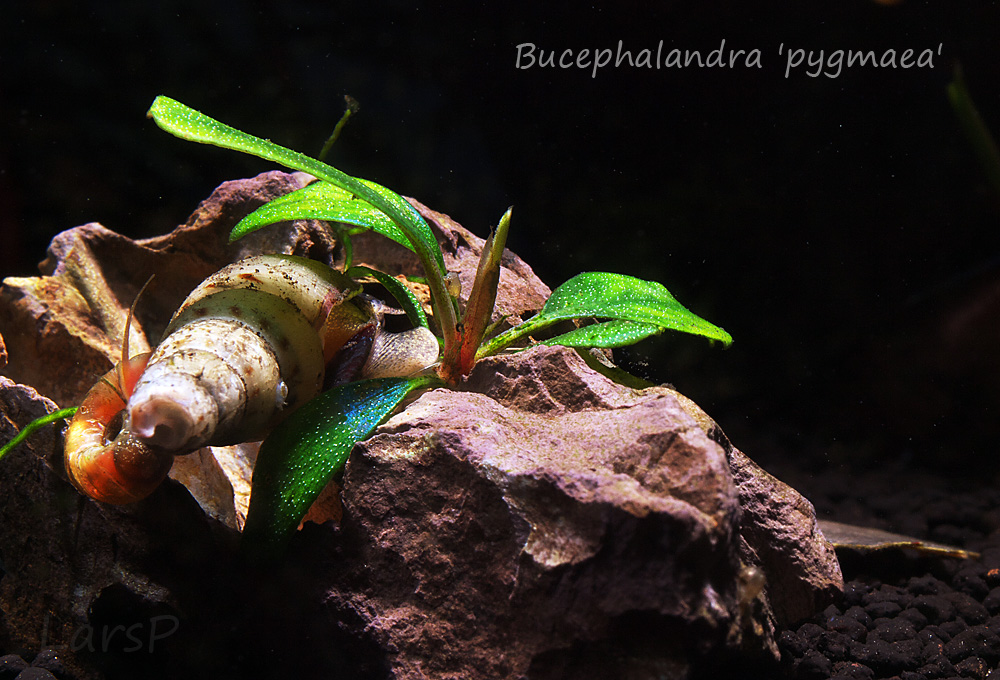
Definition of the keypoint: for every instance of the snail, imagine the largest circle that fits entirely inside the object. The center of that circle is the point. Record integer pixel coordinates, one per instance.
(250, 344)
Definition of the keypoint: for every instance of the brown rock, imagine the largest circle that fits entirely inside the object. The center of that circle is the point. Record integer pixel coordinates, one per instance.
(580, 514)
(75, 569)
(568, 527)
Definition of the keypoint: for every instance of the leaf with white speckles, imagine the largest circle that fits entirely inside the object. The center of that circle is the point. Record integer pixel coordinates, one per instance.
(307, 449)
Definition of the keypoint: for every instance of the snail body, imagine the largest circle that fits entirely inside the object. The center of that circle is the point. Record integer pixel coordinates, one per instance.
(250, 344)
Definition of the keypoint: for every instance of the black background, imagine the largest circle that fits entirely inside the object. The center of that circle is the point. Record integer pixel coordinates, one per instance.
(828, 223)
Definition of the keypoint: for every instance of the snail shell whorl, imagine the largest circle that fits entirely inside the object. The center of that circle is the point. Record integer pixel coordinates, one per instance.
(120, 471)
(242, 349)
(249, 344)
(401, 354)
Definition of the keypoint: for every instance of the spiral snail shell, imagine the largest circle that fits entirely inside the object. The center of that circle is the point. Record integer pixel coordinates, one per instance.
(250, 344)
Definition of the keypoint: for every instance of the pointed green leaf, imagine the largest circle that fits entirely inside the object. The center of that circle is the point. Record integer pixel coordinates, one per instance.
(605, 334)
(404, 296)
(614, 297)
(186, 123)
(307, 449)
(321, 201)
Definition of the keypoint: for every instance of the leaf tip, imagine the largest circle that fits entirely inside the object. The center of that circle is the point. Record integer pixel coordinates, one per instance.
(157, 104)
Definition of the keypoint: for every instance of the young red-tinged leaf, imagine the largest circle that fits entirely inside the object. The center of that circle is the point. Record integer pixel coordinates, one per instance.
(482, 299)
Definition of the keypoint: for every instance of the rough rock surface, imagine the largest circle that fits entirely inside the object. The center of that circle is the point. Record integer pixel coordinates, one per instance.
(544, 520)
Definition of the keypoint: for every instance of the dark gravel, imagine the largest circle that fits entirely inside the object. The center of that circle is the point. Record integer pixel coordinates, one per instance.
(904, 615)
(46, 665)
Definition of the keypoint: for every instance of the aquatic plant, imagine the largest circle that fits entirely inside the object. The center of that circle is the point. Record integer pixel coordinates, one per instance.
(309, 444)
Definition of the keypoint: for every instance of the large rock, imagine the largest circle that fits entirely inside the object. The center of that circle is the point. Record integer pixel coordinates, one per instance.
(540, 520)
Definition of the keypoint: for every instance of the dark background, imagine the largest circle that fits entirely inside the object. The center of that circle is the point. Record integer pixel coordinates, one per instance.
(835, 226)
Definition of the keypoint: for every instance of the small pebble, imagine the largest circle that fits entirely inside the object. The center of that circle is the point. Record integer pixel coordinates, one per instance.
(972, 583)
(836, 646)
(852, 671)
(914, 616)
(855, 591)
(878, 610)
(50, 660)
(954, 627)
(892, 630)
(861, 616)
(938, 667)
(925, 585)
(792, 643)
(848, 626)
(810, 631)
(973, 642)
(11, 665)
(889, 593)
(992, 601)
(813, 665)
(33, 673)
(972, 667)
(937, 608)
(969, 609)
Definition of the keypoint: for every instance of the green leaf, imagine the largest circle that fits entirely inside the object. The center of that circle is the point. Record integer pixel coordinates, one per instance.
(307, 449)
(34, 425)
(321, 201)
(186, 123)
(404, 296)
(616, 297)
(605, 334)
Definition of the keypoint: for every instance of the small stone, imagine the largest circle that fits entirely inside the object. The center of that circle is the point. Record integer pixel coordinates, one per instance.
(954, 627)
(882, 609)
(925, 585)
(937, 608)
(835, 646)
(992, 601)
(937, 631)
(971, 582)
(890, 657)
(889, 593)
(914, 616)
(972, 667)
(852, 671)
(933, 644)
(938, 667)
(50, 660)
(973, 642)
(792, 643)
(850, 627)
(969, 609)
(855, 592)
(831, 611)
(892, 630)
(11, 665)
(860, 615)
(813, 665)
(810, 631)
(33, 673)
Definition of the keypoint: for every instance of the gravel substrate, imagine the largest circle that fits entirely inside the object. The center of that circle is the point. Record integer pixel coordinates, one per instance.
(905, 615)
